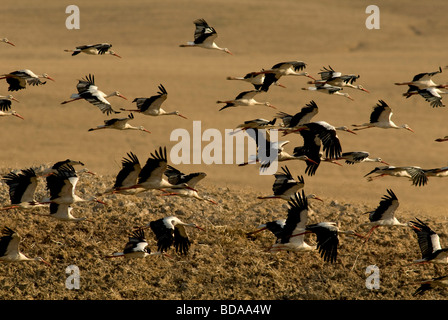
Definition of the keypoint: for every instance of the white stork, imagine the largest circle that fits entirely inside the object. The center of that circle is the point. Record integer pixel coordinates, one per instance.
(9, 248)
(6, 101)
(152, 106)
(303, 116)
(296, 220)
(429, 243)
(287, 68)
(127, 176)
(89, 91)
(5, 40)
(136, 247)
(269, 148)
(337, 79)
(256, 79)
(176, 177)
(204, 37)
(11, 113)
(62, 185)
(431, 95)
(436, 282)
(353, 157)
(94, 49)
(445, 138)
(151, 174)
(421, 81)
(416, 174)
(285, 186)
(381, 117)
(120, 124)
(18, 80)
(22, 187)
(384, 214)
(328, 89)
(171, 231)
(246, 99)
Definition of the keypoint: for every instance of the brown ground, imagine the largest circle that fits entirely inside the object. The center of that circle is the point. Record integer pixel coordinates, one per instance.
(222, 263)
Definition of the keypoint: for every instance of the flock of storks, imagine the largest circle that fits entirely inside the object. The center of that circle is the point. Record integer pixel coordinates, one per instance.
(321, 144)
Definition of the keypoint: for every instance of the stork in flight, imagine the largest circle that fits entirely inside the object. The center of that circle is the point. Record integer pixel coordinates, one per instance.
(88, 91)
(94, 49)
(6, 101)
(256, 79)
(127, 176)
(204, 37)
(22, 188)
(337, 79)
(353, 157)
(9, 248)
(328, 89)
(120, 124)
(5, 40)
(416, 174)
(287, 68)
(245, 98)
(384, 214)
(433, 95)
(62, 185)
(136, 247)
(176, 177)
(421, 81)
(18, 80)
(285, 186)
(381, 117)
(151, 174)
(429, 243)
(171, 231)
(305, 115)
(152, 106)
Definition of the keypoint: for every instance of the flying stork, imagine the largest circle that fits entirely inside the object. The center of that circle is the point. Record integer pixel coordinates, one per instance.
(429, 243)
(94, 49)
(5, 102)
(384, 214)
(119, 124)
(61, 186)
(88, 91)
(171, 231)
(176, 177)
(22, 187)
(381, 118)
(303, 116)
(421, 81)
(295, 222)
(328, 89)
(151, 174)
(9, 248)
(245, 98)
(152, 106)
(431, 95)
(353, 157)
(256, 79)
(127, 176)
(287, 68)
(136, 247)
(285, 186)
(18, 80)
(5, 40)
(337, 79)
(416, 174)
(204, 37)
